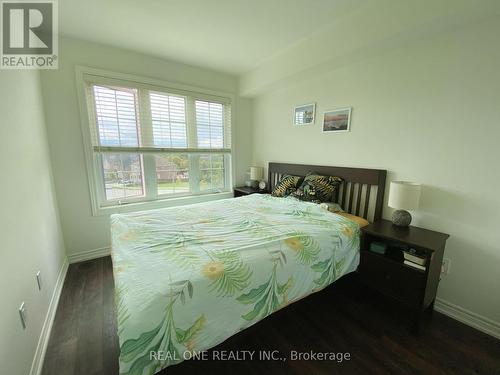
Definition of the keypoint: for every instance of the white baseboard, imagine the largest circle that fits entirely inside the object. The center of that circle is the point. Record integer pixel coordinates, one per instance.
(470, 318)
(89, 254)
(41, 348)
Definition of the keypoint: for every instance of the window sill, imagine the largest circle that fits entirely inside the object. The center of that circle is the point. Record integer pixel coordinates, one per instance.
(163, 203)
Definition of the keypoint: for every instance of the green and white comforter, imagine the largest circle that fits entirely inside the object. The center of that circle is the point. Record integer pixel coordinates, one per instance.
(189, 277)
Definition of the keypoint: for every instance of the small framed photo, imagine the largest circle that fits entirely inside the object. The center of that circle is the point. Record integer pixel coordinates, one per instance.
(337, 120)
(304, 114)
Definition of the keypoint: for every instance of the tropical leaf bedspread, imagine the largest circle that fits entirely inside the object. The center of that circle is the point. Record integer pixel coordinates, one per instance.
(189, 277)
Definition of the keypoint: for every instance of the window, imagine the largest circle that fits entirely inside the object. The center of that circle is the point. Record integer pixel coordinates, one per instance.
(149, 143)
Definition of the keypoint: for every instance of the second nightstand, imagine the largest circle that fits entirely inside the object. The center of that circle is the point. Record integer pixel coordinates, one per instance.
(388, 274)
(245, 190)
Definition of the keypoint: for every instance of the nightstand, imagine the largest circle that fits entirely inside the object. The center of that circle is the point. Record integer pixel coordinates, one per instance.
(245, 190)
(388, 274)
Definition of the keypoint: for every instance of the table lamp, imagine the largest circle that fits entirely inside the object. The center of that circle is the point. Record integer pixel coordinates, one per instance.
(403, 196)
(256, 174)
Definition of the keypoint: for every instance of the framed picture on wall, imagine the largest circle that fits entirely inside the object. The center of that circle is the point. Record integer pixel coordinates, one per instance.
(304, 114)
(337, 120)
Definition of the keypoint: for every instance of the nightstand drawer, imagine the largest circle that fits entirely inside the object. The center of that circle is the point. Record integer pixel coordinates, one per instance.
(392, 278)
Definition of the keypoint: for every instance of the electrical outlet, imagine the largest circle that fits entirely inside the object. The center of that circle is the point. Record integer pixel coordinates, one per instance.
(39, 280)
(23, 313)
(446, 266)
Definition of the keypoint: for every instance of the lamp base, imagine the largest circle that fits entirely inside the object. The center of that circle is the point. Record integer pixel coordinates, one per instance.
(401, 218)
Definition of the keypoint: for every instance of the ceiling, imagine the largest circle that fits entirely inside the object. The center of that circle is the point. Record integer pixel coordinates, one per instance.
(265, 42)
(233, 36)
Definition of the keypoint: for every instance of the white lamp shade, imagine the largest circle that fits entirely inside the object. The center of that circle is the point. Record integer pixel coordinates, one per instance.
(404, 195)
(256, 173)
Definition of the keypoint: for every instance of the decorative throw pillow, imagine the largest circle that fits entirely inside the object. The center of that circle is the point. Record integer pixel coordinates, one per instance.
(287, 185)
(317, 188)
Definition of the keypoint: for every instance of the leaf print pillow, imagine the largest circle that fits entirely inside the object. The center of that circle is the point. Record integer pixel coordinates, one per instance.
(317, 188)
(287, 185)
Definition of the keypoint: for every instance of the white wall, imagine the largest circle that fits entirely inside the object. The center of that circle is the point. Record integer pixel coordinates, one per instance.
(428, 112)
(29, 223)
(82, 231)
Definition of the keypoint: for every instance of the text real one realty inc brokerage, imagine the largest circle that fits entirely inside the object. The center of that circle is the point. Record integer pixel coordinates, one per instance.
(249, 355)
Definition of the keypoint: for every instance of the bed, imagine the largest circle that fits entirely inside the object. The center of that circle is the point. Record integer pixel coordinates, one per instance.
(189, 277)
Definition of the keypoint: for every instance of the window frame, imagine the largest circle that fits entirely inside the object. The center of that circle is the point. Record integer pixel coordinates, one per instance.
(99, 204)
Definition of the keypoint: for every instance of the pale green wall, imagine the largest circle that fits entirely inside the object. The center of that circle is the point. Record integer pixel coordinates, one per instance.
(82, 231)
(428, 112)
(29, 223)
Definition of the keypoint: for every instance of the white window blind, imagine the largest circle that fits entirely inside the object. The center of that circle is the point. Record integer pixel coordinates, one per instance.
(210, 124)
(150, 144)
(116, 116)
(169, 120)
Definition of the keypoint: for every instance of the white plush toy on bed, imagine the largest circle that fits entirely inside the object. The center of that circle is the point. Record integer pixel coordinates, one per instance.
(332, 207)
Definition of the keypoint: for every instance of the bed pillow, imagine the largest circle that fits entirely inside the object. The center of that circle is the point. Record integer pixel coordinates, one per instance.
(286, 186)
(317, 188)
(360, 220)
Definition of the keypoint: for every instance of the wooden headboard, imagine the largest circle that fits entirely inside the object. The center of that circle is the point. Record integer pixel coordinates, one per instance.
(361, 193)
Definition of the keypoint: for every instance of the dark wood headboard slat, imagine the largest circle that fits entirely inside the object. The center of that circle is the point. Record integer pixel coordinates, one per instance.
(353, 178)
(367, 199)
(379, 203)
(344, 193)
(351, 194)
(337, 195)
(358, 199)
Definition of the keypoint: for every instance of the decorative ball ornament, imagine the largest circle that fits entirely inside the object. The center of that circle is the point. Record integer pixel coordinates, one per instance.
(401, 218)
(262, 185)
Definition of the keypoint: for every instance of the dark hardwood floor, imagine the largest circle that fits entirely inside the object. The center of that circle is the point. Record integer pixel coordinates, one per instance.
(343, 318)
